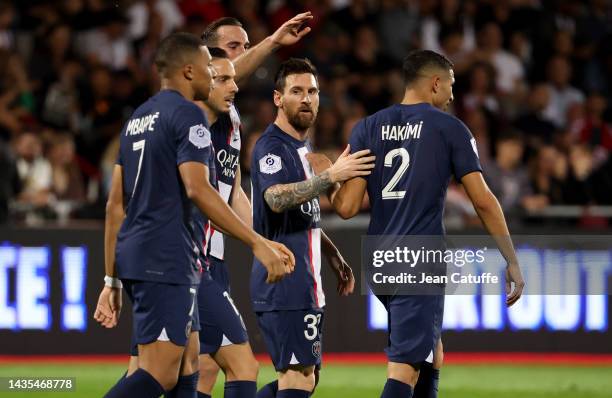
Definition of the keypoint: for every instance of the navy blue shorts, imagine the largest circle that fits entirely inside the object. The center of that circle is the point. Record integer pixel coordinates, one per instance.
(161, 312)
(415, 324)
(220, 321)
(219, 272)
(293, 337)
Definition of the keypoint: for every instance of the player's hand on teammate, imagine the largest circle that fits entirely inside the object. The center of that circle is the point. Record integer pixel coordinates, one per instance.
(344, 273)
(289, 33)
(109, 307)
(350, 165)
(513, 274)
(276, 257)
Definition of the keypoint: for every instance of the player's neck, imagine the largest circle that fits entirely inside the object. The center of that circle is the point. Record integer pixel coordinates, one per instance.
(412, 97)
(183, 89)
(210, 114)
(282, 123)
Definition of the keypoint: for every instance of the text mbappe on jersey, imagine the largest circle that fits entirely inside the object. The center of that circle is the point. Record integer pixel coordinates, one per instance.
(142, 124)
(401, 132)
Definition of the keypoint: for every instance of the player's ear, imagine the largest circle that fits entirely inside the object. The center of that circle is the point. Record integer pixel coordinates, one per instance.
(435, 84)
(278, 98)
(188, 71)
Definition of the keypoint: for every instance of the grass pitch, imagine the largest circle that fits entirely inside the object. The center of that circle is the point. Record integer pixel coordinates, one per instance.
(366, 381)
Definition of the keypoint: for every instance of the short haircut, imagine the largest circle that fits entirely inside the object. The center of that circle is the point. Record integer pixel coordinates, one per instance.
(293, 66)
(216, 52)
(210, 36)
(175, 51)
(418, 61)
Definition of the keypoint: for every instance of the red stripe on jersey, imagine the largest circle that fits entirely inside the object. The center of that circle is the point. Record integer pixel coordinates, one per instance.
(314, 277)
(204, 241)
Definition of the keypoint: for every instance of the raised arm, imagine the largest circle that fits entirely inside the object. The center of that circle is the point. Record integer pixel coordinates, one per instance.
(288, 34)
(488, 209)
(195, 178)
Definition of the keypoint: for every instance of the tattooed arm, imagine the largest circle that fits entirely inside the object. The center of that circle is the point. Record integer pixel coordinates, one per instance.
(282, 197)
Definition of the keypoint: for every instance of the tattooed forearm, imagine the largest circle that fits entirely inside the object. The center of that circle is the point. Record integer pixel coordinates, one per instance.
(282, 197)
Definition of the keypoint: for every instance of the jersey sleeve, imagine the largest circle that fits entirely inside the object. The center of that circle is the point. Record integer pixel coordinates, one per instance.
(270, 165)
(358, 141)
(463, 150)
(194, 143)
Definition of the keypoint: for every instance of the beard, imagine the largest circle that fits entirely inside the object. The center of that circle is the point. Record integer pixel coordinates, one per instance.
(301, 121)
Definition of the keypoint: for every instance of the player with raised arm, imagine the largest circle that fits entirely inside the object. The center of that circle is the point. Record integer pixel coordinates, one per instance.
(286, 209)
(418, 148)
(150, 234)
(228, 34)
(224, 341)
(239, 364)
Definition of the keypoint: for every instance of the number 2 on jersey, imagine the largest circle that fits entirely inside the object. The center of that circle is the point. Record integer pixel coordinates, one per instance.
(138, 146)
(388, 192)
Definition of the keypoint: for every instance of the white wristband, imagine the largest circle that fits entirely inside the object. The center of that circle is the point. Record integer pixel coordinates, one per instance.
(112, 282)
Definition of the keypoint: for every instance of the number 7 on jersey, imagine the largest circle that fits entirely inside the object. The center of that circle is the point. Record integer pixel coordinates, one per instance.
(138, 146)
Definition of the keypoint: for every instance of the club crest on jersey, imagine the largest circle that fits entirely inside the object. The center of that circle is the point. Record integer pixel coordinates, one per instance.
(316, 349)
(199, 136)
(270, 164)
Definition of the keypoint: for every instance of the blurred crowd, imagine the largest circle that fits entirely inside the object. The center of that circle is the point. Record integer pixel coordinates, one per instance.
(533, 83)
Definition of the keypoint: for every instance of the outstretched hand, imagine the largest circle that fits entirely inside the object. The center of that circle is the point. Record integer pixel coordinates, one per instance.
(350, 165)
(291, 31)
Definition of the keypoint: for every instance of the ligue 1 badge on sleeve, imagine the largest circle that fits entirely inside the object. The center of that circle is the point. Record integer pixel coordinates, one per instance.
(270, 164)
(199, 136)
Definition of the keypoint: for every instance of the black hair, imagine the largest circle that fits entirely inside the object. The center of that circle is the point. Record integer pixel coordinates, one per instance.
(416, 62)
(216, 52)
(175, 51)
(293, 66)
(210, 37)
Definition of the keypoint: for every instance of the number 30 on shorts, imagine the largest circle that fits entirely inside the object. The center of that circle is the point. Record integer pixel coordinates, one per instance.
(312, 326)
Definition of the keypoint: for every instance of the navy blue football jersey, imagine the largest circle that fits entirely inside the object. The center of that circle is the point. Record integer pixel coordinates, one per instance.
(278, 158)
(157, 240)
(418, 148)
(226, 141)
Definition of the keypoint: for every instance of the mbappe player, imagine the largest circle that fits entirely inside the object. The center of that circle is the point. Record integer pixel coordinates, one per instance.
(150, 240)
